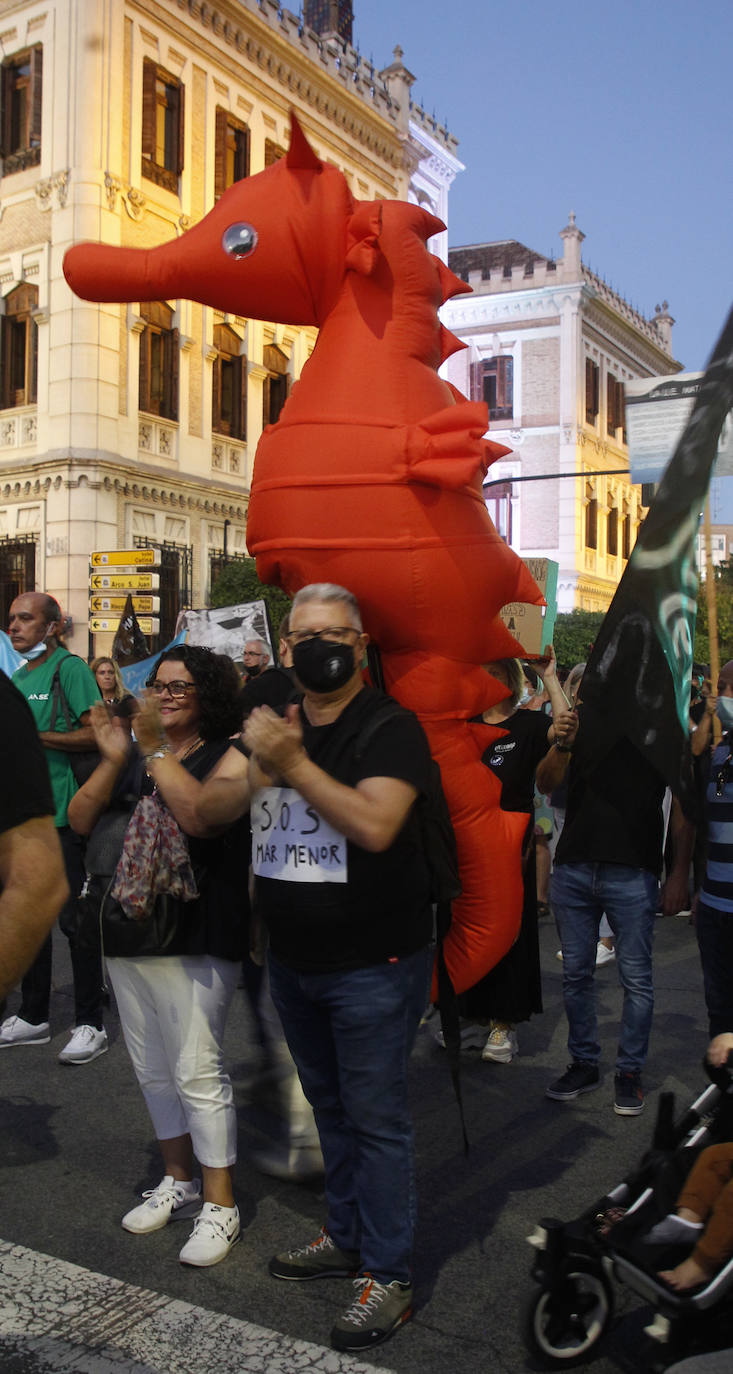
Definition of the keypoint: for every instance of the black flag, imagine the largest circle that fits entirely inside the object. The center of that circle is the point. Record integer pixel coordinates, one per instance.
(130, 644)
(637, 682)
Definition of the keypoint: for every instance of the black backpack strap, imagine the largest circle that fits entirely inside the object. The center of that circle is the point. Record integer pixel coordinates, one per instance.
(59, 702)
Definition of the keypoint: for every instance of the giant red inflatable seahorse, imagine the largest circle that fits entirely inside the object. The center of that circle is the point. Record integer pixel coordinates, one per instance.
(372, 476)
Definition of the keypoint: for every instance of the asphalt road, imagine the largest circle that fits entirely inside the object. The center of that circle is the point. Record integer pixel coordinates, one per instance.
(76, 1149)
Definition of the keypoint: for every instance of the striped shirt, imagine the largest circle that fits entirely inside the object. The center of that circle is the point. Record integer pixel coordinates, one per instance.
(717, 888)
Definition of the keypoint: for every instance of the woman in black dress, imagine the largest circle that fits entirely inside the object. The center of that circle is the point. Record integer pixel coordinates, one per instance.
(531, 749)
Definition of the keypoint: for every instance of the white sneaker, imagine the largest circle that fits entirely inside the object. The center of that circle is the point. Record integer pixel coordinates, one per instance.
(501, 1046)
(86, 1044)
(16, 1031)
(215, 1231)
(604, 955)
(171, 1198)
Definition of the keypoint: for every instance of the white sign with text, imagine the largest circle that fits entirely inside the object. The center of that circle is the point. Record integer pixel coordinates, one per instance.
(291, 842)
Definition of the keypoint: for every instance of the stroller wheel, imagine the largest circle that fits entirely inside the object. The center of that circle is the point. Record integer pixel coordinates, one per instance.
(562, 1324)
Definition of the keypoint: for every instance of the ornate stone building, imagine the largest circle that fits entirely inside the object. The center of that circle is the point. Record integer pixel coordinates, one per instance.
(122, 121)
(550, 347)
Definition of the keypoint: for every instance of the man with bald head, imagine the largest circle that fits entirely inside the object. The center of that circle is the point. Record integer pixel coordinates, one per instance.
(34, 627)
(714, 920)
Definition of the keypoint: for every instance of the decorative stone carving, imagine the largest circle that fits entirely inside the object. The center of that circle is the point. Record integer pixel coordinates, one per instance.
(112, 187)
(145, 437)
(135, 203)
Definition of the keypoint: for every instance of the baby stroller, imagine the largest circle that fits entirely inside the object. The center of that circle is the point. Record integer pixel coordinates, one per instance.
(576, 1262)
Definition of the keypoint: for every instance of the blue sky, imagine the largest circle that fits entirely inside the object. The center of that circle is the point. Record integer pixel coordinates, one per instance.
(619, 112)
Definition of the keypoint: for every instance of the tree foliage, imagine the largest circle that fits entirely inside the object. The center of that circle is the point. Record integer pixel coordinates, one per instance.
(724, 604)
(238, 581)
(575, 632)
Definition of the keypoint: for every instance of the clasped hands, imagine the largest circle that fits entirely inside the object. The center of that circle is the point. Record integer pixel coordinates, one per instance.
(276, 742)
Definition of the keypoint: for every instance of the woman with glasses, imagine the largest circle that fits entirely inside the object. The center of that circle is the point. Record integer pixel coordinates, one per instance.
(173, 999)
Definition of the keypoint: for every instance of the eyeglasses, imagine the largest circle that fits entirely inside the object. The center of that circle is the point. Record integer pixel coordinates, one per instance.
(334, 634)
(176, 689)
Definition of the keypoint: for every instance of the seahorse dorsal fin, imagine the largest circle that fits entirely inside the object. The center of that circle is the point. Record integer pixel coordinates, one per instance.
(300, 157)
(449, 343)
(450, 284)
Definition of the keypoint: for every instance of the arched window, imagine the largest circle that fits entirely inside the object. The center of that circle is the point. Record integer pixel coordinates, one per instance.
(19, 348)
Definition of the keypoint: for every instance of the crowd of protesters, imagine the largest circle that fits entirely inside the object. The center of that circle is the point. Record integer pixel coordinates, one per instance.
(154, 828)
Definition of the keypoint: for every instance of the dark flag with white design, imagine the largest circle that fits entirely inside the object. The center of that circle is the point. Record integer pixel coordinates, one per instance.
(130, 644)
(637, 682)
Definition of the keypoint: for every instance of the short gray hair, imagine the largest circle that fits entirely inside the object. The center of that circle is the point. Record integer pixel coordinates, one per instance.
(262, 646)
(329, 591)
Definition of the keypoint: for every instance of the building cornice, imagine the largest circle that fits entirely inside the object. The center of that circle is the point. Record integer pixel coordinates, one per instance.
(136, 480)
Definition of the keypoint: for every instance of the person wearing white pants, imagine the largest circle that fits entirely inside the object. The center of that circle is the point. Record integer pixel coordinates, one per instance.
(174, 989)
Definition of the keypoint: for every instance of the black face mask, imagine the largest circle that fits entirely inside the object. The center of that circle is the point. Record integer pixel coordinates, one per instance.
(322, 666)
(253, 672)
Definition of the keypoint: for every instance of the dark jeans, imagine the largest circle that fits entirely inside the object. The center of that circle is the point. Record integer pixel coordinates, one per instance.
(580, 895)
(350, 1035)
(86, 964)
(715, 939)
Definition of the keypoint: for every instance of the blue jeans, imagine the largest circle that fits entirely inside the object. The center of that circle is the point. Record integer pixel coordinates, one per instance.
(714, 931)
(350, 1035)
(580, 895)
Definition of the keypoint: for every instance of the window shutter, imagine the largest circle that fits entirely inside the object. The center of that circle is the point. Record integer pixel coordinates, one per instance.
(144, 386)
(220, 153)
(36, 96)
(181, 130)
(243, 171)
(31, 381)
(216, 395)
(242, 393)
(148, 136)
(5, 80)
(5, 362)
(171, 373)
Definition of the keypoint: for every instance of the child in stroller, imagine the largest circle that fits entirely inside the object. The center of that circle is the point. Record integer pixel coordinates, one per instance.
(575, 1262)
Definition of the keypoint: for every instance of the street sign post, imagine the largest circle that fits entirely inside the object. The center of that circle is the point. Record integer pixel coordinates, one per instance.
(126, 558)
(124, 582)
(101, 605)
(149, 625)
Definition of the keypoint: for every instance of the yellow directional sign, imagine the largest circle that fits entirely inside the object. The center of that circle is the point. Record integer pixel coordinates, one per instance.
(126, 558)
(99, 605)
(124, 582)
(148, 625)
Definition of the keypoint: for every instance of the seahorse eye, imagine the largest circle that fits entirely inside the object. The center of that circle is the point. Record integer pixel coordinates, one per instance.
(239, 240)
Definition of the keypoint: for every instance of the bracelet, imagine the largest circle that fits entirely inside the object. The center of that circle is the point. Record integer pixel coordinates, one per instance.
(161, 752)
(564, 748)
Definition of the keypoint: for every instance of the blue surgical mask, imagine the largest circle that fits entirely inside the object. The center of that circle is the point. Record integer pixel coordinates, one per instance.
(36, 651)
(724, 712)
(525, 697)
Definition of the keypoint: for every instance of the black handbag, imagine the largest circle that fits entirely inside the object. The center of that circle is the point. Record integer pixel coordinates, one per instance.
(84, 761)
(101, 922)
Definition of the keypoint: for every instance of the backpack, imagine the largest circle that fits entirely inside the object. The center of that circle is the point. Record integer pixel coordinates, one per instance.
(436, 828)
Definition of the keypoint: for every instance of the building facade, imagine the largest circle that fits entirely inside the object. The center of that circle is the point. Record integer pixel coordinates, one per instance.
(550, 348)
(122, 122)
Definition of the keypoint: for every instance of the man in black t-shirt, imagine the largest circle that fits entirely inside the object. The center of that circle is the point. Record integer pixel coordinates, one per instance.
(342, 883)
(608, 858)
(32, 876)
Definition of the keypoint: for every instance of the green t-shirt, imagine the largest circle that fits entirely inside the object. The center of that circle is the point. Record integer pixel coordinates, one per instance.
(81, 691)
